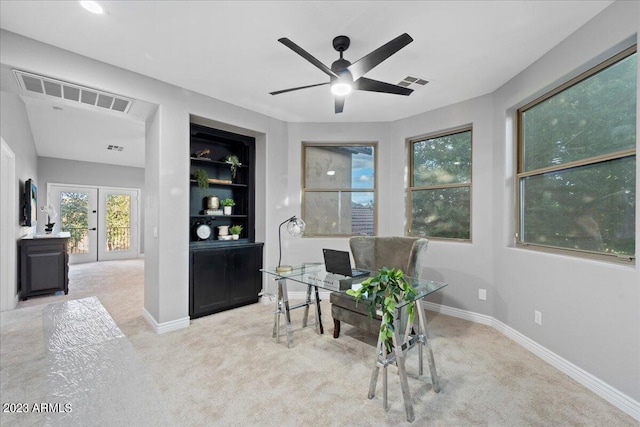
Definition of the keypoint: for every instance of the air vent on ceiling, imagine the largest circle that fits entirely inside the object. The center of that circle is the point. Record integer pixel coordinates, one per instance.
(72, 92)
(413, 82)
(115, 147)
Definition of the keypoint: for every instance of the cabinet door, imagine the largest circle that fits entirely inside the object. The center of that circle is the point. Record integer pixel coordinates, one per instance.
(44, 268)
(209, 292)
(244, 275)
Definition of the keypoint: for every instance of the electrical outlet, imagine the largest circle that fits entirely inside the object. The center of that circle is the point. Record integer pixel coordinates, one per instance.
(537, 317)
(482, 294)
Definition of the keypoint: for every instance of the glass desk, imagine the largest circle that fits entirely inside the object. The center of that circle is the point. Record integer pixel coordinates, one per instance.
(405, 335)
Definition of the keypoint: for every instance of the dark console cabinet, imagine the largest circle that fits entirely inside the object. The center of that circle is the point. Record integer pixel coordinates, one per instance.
(44, 265)
(224, 278)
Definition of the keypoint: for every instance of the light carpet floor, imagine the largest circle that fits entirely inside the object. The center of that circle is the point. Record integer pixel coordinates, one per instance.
(226, 370)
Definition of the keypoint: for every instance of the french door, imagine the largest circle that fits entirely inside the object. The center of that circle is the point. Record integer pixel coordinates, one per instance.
(103, 222)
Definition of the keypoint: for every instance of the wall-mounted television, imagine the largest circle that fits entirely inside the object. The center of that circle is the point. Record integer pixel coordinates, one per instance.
(30, 203)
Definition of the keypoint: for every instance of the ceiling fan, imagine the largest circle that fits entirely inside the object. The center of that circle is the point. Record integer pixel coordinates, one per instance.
(345, 76)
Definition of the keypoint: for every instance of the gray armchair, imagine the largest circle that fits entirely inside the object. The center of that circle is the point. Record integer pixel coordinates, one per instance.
(373, 253)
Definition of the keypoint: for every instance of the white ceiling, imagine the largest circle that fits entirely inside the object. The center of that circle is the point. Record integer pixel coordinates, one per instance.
(229, 50)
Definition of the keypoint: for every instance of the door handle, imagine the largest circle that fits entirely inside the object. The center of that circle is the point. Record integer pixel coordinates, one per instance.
(94, 229)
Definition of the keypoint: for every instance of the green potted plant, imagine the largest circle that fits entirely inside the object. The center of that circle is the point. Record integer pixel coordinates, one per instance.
(227, 205)
(234, 163)
(201, 176)
(235, 231)
(386, 290)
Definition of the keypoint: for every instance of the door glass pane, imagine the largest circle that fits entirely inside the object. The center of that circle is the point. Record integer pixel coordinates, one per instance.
(118, 222)
(74, 217)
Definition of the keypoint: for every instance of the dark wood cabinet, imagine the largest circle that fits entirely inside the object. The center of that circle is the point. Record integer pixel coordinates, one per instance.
(223, 274)
(224, 278)
(44, 265)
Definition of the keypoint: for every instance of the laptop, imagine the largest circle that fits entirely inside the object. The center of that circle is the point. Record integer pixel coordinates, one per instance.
(339, 262)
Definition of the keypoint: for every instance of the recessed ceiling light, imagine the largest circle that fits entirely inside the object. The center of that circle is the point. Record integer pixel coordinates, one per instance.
(92, 6)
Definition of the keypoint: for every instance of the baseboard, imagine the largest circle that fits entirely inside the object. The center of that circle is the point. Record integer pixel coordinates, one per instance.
(599, 387)
(161, 328)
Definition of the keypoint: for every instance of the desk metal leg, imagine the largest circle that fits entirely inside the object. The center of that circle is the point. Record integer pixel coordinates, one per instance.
(424, 337)
(401, 348)
(307, 301)
(283, 308)
(402, 369)
(319, 327)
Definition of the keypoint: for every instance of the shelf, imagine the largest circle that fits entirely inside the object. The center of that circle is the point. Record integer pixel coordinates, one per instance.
(204, 160)
(218, 216)
(217, 243)
(223, 184)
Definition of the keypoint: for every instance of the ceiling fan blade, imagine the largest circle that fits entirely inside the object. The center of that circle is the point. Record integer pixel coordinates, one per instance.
(339, 102)
(306, 55)
(297, 88)
(370, 85)
(368, 62)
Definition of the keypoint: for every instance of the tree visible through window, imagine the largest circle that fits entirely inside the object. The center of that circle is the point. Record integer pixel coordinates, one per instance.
(577, 163)
(440, 188)
(339, 189)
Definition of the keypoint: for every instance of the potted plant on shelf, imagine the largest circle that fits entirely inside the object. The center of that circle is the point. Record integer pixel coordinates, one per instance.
(227, 205)
(235, 231)
(234, 163)
(201, 176)
(386, 290)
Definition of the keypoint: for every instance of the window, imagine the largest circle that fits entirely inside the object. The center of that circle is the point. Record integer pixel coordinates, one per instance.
(440, 186)
(339, 189)
(577, 164)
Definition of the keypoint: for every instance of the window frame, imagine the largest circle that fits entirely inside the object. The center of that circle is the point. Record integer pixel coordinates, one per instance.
(305, 189)
(520, 174)
(411, 188)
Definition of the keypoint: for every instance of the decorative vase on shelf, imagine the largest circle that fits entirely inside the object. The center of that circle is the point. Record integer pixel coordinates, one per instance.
(223, 230)
(213, 202)
(49, 227)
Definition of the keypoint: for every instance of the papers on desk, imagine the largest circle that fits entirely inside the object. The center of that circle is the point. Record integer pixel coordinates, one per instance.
(333, 282)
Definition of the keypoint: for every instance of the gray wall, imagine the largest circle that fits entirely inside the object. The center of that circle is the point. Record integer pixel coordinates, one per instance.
(73, 172)
(591, 309)
(15, 129)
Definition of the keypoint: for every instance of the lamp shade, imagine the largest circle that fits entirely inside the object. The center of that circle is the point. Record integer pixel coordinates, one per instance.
(296, 227)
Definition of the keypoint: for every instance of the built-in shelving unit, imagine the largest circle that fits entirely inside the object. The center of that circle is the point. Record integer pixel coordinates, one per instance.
(223, 273)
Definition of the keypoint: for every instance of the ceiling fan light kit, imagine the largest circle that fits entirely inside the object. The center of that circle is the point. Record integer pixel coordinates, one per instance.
(345, 76)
